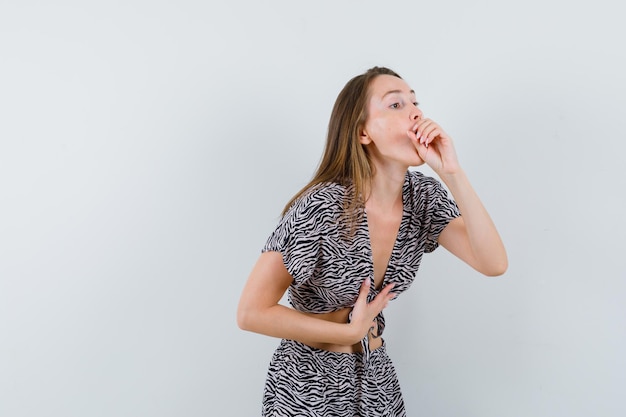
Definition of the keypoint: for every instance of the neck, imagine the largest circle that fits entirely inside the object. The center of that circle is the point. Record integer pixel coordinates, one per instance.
(386, 189)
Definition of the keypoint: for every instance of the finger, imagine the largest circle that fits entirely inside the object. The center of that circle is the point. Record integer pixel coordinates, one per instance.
(382, 303)
(430, 131)
(422, 151)
(364, 290)
(413, 134)
(382, 298)
(432, 136)
(418, 124)
(418, 142)
(388, 288)
(422, 125)
(388, 294)
(414, 138)
(423, 122)
(425, 128)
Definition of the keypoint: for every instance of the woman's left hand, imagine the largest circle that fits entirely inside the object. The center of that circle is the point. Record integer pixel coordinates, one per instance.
(434, 146)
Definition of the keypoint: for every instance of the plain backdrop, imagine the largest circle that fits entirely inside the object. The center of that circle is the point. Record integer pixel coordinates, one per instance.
(148, 147)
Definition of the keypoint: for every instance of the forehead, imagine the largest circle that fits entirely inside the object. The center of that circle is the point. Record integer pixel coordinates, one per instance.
(383, 84)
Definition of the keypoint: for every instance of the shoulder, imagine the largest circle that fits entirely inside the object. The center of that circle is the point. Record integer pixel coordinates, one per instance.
(417, 182)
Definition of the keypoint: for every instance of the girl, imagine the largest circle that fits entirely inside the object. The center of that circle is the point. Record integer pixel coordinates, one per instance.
(352, 240)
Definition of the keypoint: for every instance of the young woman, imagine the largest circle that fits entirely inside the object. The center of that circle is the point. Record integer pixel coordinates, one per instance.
(351, 241)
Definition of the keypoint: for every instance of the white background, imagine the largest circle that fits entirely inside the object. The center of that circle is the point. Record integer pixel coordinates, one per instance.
(147, 148)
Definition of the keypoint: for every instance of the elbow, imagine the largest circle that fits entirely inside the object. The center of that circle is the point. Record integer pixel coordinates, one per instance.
(496, 272)
(244, 318)
(496, 269)
(496, 264)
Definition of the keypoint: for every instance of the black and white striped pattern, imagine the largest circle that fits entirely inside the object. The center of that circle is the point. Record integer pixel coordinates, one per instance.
(305, 381)
(328, 265)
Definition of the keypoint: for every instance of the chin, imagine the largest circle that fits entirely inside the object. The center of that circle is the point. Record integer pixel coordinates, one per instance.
(417, 162)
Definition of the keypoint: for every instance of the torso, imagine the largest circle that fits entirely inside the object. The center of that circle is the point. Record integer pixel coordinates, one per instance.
(329, 267)
(383, 232)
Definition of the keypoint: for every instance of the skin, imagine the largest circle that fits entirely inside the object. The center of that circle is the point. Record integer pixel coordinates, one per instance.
(397, 136)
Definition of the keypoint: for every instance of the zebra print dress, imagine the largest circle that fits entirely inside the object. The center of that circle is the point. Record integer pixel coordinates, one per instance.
(328, 266)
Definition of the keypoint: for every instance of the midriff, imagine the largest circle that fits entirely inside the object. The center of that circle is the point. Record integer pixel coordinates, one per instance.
(341, 316)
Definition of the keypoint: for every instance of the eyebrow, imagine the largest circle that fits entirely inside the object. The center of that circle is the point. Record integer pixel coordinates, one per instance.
(396, 91)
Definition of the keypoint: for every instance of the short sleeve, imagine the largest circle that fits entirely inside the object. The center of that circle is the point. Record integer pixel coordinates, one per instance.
(441, 209)
(298, 237)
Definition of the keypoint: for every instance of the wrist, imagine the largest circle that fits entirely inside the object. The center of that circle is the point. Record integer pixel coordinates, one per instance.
(451, 178)
(353, 334)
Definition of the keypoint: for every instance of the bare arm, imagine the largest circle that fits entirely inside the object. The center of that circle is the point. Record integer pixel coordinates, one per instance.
(259, 309)
(473, 236)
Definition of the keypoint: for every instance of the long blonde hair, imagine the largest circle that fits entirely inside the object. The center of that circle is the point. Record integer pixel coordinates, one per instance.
(345, 160)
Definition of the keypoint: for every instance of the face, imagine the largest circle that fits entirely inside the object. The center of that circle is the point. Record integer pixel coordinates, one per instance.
(391, 111)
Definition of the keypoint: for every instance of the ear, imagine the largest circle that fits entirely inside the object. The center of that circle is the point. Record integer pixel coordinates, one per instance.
(364, 137)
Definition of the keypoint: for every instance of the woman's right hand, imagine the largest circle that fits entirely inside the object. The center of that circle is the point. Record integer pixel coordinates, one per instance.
(364, 313)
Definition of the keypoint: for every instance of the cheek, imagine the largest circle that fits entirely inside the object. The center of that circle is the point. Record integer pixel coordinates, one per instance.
(388, 135)
(382, 130)
(377, 127)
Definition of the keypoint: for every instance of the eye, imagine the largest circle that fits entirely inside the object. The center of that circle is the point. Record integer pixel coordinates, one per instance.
(416, 104)
(395, 106)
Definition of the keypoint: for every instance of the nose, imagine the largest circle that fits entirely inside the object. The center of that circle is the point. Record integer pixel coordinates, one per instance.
(416, 113)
